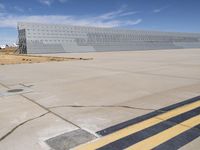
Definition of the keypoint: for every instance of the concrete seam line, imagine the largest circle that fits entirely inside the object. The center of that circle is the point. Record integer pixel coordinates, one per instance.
(4, 85)
(19, 125)
(165, 75)
(104, 106)
(50, 111)
(142, 72)
(44, 108)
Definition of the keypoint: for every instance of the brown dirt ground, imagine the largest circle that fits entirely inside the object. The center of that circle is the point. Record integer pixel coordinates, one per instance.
(6, 59)
(8, 50)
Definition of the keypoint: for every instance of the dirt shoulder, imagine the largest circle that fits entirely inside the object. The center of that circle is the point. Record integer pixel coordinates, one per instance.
(6, 59)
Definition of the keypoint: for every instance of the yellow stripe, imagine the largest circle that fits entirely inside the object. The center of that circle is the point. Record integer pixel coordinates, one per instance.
(166, 135)
(137, 127)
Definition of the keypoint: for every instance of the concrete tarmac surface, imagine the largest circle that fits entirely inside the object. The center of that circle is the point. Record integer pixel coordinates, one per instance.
(118, 100)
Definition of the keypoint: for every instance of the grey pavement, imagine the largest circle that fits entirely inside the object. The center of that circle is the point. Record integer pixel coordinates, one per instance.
(60, 97)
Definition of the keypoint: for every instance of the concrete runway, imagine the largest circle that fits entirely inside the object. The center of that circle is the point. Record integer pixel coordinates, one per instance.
(66, 104)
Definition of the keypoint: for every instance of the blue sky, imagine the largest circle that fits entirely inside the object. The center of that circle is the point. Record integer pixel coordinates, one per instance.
(163, 15)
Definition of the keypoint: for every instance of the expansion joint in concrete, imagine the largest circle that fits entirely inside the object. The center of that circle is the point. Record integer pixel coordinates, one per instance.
(101, 106)
(51, 111)
(4, 85)
(48, 111)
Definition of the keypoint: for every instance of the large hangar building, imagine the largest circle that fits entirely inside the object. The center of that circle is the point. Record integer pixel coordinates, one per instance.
(50, 38)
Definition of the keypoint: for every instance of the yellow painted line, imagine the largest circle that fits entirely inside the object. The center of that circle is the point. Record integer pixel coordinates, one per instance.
(166, 135)
(137, 127)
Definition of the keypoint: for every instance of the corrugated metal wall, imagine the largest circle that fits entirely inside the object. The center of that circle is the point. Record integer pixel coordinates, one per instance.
(49, 38)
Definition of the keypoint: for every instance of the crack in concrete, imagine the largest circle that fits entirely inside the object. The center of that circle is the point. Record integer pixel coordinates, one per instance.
(117, 106)
(50, 111)
(27, 86)
(75, 106)
(19, 125)
(105, 106)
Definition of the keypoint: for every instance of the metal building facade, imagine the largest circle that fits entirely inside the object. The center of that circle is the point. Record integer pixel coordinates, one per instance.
(51, 38)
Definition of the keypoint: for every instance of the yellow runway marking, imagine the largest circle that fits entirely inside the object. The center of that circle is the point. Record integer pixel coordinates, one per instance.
(162, 137)
(137, 127)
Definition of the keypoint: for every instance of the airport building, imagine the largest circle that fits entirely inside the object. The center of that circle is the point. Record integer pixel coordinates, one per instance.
(51, 38)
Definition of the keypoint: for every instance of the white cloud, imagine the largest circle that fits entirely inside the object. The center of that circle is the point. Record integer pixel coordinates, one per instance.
(133, 22)
(158, 10)
(11, 21)
(62, 1)
(110, 19)
(111, 15)
(49, 2)
(46, 2)
(118, 13)
(129, 13)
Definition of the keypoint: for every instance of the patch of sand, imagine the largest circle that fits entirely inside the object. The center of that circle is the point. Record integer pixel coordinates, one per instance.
(6, 59)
